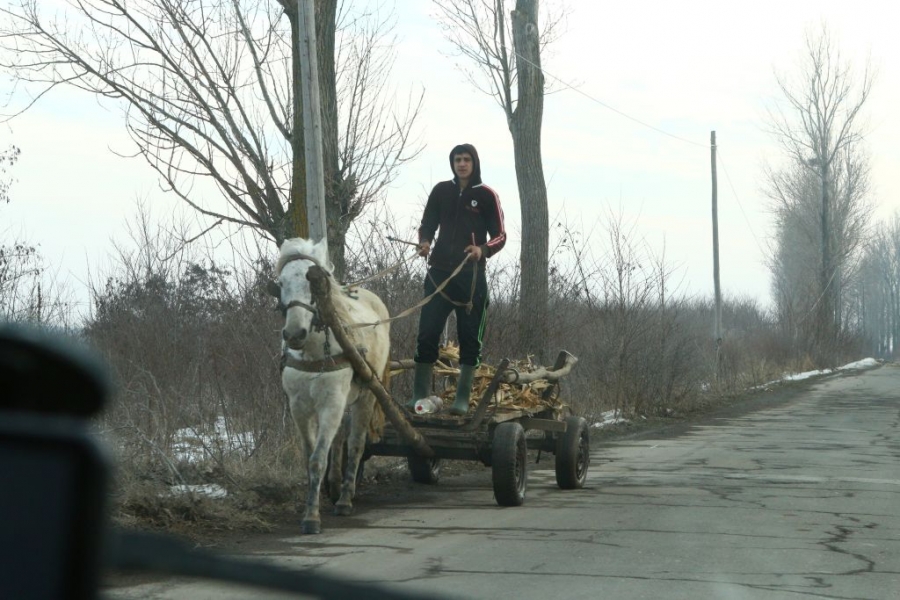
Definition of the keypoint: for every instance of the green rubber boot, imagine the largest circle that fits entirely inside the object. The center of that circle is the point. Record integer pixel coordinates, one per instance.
(463, 390)
(421, 383)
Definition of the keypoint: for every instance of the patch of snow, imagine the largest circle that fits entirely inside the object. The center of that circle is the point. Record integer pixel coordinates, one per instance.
(609, 418)
(194, 445)
(866, 363)
(211, 490)
(806, 375)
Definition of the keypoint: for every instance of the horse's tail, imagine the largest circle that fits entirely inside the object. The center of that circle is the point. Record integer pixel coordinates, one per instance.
(376, 423)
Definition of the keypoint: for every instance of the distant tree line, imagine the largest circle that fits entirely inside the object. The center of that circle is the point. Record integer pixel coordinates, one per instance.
(833, 270)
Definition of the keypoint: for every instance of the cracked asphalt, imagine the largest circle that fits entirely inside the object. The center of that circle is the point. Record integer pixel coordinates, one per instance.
(794, 499)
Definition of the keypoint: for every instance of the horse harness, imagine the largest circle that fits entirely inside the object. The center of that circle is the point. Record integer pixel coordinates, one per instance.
(327, 364)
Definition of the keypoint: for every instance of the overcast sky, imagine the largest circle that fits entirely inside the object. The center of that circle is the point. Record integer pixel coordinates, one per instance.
(685, 68)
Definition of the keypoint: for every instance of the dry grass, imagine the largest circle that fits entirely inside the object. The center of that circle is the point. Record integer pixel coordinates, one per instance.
(194, 347)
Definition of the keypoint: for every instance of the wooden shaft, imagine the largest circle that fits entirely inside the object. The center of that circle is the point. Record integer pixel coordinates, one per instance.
(320, 287)
(485, 400)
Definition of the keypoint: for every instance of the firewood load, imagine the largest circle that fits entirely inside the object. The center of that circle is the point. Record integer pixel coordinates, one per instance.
(522, 389)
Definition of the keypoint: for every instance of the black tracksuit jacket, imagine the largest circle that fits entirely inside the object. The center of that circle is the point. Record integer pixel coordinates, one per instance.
(473, 214)
(460, 217)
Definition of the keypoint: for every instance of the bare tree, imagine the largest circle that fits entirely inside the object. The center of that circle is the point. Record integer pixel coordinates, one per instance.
(874, 307)
(824, 190)
(481, 31)
(210, 92)
(28, 290)
(7, 159)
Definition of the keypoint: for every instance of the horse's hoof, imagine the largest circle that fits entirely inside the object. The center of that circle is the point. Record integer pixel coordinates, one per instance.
(307, 527)
(343, 510)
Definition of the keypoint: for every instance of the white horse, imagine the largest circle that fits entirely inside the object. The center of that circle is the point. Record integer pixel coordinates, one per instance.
(318, 380)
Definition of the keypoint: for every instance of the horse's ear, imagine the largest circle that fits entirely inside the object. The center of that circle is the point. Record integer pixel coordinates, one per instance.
(321, 247)
(273, 289)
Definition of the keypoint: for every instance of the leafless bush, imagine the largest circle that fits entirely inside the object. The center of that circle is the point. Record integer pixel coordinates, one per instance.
(396, 272)
(30, 291)
(195, 348)
(621, 315)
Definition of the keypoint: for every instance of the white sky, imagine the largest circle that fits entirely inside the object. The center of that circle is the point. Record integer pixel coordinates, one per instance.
(686, 67)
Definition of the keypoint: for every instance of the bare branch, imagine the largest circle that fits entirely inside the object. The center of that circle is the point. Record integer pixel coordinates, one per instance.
(206, 89)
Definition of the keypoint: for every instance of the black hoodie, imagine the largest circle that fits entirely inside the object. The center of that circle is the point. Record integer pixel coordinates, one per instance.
(461, 216)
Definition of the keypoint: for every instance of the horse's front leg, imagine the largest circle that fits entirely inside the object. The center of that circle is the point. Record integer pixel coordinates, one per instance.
(361, 414)
(315, 468)
(329, 420)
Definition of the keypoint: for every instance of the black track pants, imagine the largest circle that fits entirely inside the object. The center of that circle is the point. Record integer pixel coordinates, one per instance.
(469, 326)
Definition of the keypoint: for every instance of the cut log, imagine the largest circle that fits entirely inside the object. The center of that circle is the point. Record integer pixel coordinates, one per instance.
(555, 374)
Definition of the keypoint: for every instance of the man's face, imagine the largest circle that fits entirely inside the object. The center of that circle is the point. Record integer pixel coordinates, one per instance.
(462, 165)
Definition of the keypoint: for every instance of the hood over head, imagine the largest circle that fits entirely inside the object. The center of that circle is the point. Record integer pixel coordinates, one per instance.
(476, 162)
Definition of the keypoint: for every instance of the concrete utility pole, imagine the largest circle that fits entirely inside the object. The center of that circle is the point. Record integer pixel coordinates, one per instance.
(828, 309)
(715, 219)
(312, 120)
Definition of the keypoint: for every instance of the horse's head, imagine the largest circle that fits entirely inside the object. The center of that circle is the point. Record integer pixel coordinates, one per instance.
(293, 291)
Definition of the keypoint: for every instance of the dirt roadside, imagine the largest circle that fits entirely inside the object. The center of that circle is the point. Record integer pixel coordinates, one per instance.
(387, 481)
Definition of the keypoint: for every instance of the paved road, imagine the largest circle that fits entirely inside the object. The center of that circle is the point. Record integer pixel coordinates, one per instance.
(795, 501)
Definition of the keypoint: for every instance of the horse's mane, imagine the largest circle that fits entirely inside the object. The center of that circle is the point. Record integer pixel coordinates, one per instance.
(341, 305)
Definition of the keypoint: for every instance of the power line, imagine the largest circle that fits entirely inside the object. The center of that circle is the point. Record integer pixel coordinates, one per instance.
(658, 130)
(734, 192)
(608, 107)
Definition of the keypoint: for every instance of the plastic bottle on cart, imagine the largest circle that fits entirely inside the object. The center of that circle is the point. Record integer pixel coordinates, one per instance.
(431, 404)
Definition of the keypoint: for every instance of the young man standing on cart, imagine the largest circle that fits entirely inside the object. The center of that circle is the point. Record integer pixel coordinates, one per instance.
(468, 220)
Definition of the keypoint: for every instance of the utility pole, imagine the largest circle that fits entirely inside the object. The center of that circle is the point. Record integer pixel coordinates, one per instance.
(827, 320)
(312, 120)
(715, 222)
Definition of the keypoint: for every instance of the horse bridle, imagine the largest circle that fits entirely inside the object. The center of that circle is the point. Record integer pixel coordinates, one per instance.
(329, 362)
(317, 319)
(301, 304)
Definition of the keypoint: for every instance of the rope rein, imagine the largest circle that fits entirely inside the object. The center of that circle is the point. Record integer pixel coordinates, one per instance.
(467, 305)
(381, 273)
(439, 289)
(427, 298)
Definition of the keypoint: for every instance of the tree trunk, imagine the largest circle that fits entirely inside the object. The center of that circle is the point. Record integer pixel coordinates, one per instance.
(525, 126)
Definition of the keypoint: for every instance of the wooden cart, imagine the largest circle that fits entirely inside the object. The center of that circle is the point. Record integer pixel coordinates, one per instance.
(499, 436)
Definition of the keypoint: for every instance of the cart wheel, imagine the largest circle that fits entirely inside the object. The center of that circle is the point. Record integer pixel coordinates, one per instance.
(424, 470)
(508, 464)
(573, 454)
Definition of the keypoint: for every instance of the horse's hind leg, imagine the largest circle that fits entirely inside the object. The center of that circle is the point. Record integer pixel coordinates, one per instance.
(361, 413)
(336, 461)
